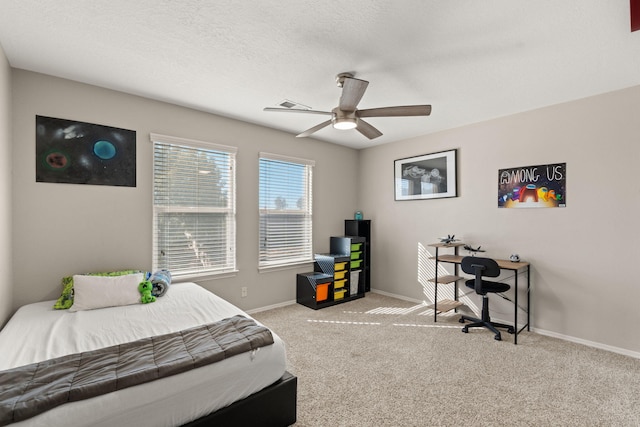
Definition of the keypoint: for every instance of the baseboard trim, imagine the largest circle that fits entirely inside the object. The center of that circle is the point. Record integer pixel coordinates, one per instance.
(402, 297)
(270, 307)
(623, 351)
(618, 350)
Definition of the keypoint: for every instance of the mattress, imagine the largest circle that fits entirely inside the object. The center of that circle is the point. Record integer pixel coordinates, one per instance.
(37, 332)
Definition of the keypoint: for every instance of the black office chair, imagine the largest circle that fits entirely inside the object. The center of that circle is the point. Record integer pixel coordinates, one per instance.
(484, 267)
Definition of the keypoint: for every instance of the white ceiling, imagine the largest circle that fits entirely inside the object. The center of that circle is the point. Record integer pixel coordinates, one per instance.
(471, 60)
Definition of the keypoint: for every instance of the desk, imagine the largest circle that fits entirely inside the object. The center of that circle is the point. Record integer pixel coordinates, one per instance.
(504, 264)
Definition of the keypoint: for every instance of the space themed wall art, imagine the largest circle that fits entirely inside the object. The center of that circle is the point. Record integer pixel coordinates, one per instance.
(542, 186)
(75, 152)
(430, 176)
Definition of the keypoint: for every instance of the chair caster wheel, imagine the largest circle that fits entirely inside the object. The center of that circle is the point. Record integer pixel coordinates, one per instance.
(461, 320)
(498, 338)
(465, 330)
(511, 331)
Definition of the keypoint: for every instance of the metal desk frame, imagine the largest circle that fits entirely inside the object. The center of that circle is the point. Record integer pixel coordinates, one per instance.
(504, 264)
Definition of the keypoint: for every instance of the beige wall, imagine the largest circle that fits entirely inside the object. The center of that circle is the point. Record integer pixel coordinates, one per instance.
(6, 272)
(63, 229)
(585, 287)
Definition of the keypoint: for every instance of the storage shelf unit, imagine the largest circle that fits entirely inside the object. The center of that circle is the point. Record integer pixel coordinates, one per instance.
(362, 228)
(354, 247)
(331, 269)
(313, 289)
(343, 273)
(445, 305)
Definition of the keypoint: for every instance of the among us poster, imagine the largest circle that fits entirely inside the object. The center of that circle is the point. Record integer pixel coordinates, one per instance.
(541, 186)
(75, 152)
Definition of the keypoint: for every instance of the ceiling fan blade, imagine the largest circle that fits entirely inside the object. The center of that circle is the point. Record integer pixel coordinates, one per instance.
(296, 110)
(313, 129)
(352, 92)
(406, 110)
(367, 130)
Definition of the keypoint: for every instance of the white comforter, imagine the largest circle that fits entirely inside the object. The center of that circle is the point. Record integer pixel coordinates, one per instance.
(37, 332)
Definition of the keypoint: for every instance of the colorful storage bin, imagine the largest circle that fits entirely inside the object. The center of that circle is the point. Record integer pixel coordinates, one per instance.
(339, 283)
(339, 275)
(322, 291)
(340, 266)
(356, 255)
(356, 247)
(356, 264)
(339, 294)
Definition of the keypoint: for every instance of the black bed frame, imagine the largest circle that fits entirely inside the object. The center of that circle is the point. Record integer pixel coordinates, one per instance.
(273, 406)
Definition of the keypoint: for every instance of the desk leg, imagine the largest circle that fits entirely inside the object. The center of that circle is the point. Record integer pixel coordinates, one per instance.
(515, 313)
(528, 299)
(455, 293)
(455, 284)
(435, 301)
(435, 292)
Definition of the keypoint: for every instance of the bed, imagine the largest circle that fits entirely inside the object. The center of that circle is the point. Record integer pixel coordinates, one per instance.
(251, 388)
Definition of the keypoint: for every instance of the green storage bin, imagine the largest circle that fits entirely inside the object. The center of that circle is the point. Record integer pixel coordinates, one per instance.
(356, 247)
(356, 264)
(356, 255)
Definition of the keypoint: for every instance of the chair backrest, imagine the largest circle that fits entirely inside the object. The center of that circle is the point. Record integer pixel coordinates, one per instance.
(487, 266)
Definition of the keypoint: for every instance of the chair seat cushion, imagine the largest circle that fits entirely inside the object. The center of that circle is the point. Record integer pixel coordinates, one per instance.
(488, 286)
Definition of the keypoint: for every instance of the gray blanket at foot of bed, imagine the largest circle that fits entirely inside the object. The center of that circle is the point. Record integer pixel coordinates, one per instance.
(29, 390)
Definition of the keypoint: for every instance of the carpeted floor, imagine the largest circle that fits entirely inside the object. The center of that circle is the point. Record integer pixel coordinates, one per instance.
(381, 361)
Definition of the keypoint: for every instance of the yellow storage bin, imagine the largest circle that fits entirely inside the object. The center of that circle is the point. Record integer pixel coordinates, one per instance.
(339, 294)
(356, 264)
(339, 283)
(339, 275)
(356, 247)
(356, 255)
(339, 266)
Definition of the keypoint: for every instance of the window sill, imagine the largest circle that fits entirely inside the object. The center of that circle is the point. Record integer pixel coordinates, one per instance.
(270, 268)
(205, 276)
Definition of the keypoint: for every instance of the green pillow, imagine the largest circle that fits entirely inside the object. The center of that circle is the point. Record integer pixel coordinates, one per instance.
(66, 298)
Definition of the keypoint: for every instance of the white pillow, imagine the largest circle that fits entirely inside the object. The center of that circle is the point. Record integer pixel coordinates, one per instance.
(105, 291)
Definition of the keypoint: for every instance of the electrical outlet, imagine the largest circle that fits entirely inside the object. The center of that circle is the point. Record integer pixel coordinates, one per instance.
(243, 290)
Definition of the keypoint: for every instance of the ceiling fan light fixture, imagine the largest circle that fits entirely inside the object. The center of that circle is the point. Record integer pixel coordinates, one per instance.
(345, 123)
(346, 115)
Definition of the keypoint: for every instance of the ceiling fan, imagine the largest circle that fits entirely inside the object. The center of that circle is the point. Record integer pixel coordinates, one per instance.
(347, 116)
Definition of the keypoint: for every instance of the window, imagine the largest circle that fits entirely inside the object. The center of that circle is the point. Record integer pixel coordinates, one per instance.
(194, 224)
(285, 210)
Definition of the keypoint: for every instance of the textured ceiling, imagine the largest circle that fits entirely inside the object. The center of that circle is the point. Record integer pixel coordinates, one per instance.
(471, 60)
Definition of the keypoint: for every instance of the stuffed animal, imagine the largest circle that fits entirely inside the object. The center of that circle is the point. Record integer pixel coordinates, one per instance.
(145, 289)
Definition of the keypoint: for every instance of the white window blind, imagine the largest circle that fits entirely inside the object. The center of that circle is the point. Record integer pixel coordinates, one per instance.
(285, 210)
(194, 224)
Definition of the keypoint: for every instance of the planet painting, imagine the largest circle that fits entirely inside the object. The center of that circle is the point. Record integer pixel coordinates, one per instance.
(75, 152)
